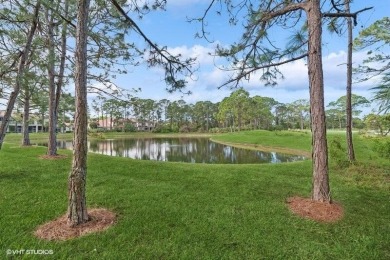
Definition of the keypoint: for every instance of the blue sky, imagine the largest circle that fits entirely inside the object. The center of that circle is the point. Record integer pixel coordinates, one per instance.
(170, 28)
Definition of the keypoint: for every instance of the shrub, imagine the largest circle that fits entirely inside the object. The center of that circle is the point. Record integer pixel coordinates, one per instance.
(93, 125)
(130, 128)
(338, 153)
(218, 130)
(185, 129)
(95, 134)
(382, 148)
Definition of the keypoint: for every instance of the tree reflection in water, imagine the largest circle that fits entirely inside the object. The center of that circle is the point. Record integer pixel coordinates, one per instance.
(192, 150)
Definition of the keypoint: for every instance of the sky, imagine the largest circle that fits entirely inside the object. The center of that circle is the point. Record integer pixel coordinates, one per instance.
(171, 28)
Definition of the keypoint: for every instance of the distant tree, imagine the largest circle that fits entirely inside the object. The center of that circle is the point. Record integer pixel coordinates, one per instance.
(334, 118)
(31, 83)
(113, 107)
(339, 107)
(379, 123)
(225, 113)
(176, 114)
(203, 115)
(66, 109)
(149, 108)
(163, 104)
(40, 104)
(235, 108)
(97, 105)
(262, 111)
(301, 109)
(282, 116)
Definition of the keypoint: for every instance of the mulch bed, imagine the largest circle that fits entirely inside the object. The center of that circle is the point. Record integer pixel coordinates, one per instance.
(315, 210)
(100, 219)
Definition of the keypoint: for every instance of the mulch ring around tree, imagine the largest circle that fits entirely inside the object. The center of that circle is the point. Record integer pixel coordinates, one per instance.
(53, 157)
(315, 210)
(100, 219)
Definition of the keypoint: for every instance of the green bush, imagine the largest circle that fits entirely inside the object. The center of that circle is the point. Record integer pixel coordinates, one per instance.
(382, 148)
(130, 128)
(95, 134)
(164, 129)
(217, 130)
(185, 129)
(93, 125)
(338, 153)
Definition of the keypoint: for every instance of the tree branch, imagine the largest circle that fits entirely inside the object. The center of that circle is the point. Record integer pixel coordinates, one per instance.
(343, 14)
(335, 6)
(11, 66)
(60, 15)
(246, 73)
(172, 64)
(267, 16)
(202, 19)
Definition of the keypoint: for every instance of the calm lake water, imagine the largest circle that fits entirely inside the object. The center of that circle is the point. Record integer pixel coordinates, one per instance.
(191, 150)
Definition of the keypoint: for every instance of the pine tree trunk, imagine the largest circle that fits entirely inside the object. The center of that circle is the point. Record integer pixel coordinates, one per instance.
(77, 209)
(55, 89)
(52, 144)
(21, 67)
(351, 152)
(43, 121)
(26, 118)
(320, 189)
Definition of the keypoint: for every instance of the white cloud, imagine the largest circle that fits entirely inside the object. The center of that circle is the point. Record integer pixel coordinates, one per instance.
(293, 87)
(201, 53)
(295, 75)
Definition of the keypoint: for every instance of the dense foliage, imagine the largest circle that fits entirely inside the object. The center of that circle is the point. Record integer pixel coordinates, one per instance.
(239, 111)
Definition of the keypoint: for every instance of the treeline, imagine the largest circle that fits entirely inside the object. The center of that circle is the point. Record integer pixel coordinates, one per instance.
(237, 112)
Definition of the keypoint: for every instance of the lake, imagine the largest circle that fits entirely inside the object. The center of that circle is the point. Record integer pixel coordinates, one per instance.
(191, 150)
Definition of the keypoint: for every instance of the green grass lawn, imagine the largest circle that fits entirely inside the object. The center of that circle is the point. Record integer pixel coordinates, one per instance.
(198, 211)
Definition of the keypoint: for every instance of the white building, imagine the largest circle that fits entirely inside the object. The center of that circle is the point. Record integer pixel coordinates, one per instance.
(15, 127)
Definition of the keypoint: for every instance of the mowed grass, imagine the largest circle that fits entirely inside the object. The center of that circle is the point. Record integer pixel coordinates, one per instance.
(197, 211)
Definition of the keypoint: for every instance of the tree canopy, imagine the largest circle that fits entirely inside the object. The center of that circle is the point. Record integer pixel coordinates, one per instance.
(376, 38)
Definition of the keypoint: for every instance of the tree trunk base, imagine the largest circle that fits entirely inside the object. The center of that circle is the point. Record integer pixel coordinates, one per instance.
(315, 210)
(59, 229)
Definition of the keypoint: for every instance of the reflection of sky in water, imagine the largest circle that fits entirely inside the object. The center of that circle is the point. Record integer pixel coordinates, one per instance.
(193, 150)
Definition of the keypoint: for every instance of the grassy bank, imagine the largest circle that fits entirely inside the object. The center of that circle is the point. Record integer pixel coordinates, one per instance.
(188, 211)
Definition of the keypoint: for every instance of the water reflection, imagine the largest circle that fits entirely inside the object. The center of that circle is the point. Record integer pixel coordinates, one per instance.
(192, 150)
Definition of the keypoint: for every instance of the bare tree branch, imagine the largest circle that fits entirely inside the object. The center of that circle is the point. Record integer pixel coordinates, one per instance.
(245, 74)
(202, 19)
(335, 6)
(267, 16)
(344, 14)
